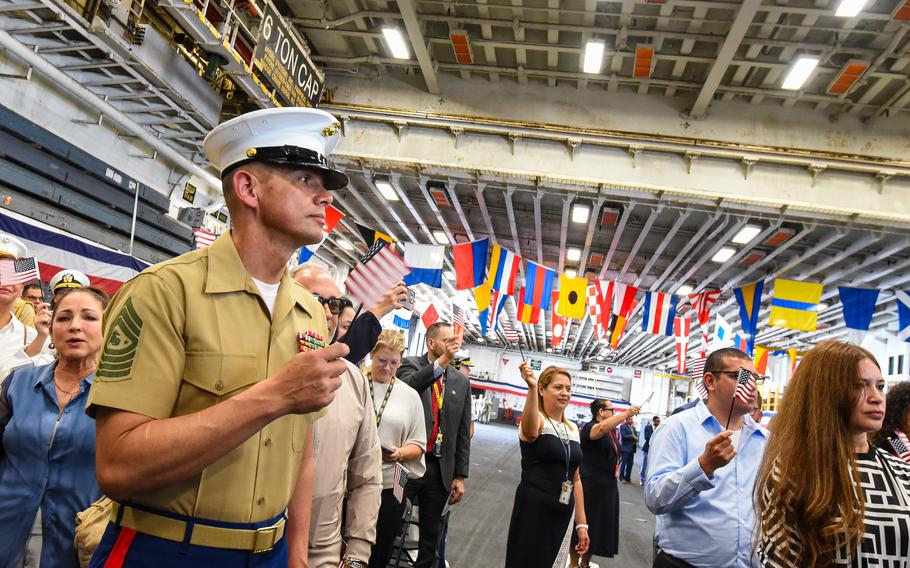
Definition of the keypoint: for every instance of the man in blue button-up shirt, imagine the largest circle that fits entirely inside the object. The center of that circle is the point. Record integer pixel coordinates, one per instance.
(701, 474)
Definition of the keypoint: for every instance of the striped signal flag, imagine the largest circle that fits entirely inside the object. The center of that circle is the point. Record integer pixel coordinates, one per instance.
(623, 304)
(526, 313)
(503, 269)
(660, 309)
(749, 299)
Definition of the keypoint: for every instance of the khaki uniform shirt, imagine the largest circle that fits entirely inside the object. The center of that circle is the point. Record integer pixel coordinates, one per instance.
(189, 333)
(348, 460)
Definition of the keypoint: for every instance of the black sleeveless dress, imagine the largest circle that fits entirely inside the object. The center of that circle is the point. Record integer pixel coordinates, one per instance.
(598, 477)
(539, 521)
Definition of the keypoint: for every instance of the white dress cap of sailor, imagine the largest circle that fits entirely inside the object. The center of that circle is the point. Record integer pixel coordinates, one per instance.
(69, 278)
(11, 247)
(290, 136)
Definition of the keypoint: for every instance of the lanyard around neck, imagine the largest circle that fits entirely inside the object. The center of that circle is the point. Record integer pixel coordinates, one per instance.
(563, 441)
(385, 400)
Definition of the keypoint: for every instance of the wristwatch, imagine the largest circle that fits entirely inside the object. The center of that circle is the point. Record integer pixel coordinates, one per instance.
(351, 562)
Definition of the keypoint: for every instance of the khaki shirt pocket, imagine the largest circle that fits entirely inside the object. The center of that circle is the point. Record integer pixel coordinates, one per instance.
(210, 377)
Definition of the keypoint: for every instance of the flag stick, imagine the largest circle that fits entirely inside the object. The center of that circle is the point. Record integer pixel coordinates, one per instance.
(729, 416)
(520, 352)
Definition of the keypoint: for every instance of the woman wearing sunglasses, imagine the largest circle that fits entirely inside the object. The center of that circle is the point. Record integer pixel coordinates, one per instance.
(826, 496)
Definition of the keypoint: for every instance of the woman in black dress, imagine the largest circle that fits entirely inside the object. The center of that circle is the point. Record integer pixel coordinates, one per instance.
(600, 443)
(550, 489)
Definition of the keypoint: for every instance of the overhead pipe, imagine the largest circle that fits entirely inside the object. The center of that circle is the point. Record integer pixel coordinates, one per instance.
(87, 97)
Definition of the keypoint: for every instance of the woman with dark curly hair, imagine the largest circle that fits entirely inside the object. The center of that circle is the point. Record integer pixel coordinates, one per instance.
(893, 435)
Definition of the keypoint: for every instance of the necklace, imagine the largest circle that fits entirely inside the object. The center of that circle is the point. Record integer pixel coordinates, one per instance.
(59, 388)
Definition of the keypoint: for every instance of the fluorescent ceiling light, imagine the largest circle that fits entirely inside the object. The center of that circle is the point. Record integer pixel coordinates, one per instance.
(385, 188)
(821, 306)
(746, 234)
(345, 244)
(571, 273)
(684, 290)
(849, 8)
(723, 255)
(549, 349)
(395, 42)
(594, 56)
(573, 254)
(580, 213)
(449, 275)
(799, 73)
(440, 237)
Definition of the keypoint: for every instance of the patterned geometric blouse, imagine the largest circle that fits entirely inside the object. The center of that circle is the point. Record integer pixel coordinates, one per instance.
(886, 540)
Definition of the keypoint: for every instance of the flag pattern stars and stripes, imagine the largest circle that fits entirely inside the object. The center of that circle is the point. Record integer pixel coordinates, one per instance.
(508, 329)
(399, 482)
(369, 282)
(457, 319)
(745, 386)
(901, 445)
(18, 271)
(203, 238)
(697, 373)
(377, 246)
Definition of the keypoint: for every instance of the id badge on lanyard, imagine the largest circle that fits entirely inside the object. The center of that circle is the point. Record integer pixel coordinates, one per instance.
(566, 492)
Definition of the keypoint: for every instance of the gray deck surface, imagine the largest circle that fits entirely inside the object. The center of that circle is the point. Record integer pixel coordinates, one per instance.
(480, 524)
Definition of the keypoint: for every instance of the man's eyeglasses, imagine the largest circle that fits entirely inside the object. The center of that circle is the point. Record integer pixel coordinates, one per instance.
(335, 304)
(759, 379)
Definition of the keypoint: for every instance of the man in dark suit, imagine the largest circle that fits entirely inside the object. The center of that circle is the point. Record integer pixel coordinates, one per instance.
(627, 451)
(446, 396)
(649, 430)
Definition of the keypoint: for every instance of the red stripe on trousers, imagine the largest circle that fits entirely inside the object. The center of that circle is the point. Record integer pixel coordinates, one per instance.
(118, 553)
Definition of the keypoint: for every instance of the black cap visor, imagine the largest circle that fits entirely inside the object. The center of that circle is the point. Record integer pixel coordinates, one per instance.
(295, 157)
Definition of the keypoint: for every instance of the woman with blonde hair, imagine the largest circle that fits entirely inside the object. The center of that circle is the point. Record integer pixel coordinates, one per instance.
(402, 434)
(550, 489)
(825, 496)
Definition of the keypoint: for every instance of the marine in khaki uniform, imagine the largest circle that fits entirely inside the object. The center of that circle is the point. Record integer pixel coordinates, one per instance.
(214, 367)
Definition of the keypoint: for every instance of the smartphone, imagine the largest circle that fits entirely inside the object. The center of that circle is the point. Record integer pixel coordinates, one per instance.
(408, 304)
(386, 451)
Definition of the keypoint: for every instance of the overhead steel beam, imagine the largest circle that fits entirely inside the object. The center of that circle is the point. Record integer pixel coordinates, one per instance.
(655, 213)
(564, 231)
(593, 221)
(663, 244)
(616, 236)
(538, 229)
(741, 22)
(412, 24)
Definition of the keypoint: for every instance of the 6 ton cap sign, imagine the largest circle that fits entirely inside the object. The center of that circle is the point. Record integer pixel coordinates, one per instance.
(282, 59)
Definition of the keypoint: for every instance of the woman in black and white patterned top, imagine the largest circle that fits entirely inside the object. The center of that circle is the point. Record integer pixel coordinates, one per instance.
(811, 509)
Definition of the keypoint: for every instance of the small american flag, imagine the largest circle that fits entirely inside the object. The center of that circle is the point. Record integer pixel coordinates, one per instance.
(369, 282)
(373, 250)
(901, 445)
(19, 271)
(457, 318)
(399, 482)
(204, 238)
(507, 328)
(696, 373)
(745, 386)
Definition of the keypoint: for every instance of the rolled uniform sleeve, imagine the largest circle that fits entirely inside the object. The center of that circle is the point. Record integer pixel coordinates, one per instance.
(673, 479)
(142, 358)
(364, 478)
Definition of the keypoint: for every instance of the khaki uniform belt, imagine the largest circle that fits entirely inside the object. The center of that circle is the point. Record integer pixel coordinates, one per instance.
(254, 540)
